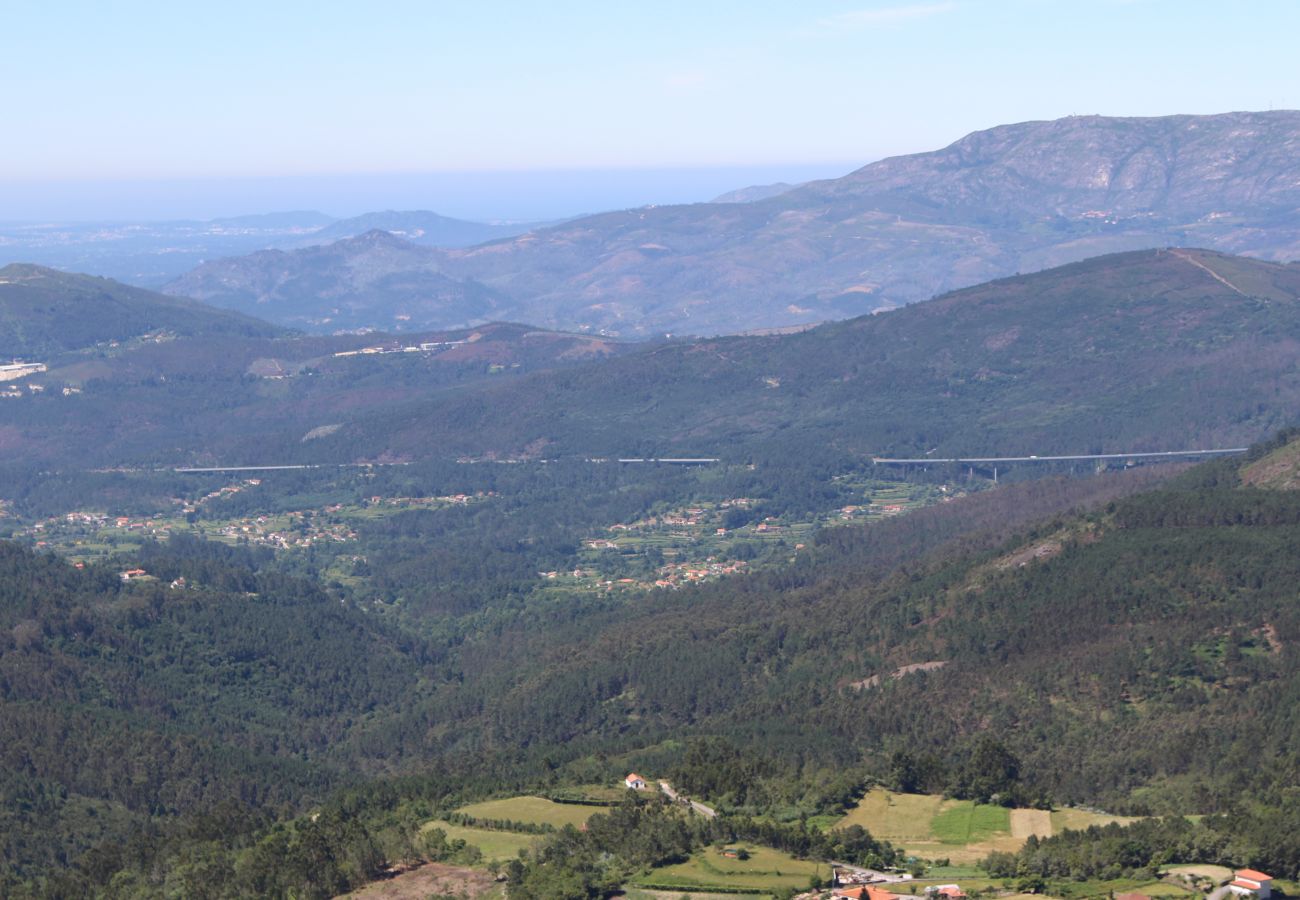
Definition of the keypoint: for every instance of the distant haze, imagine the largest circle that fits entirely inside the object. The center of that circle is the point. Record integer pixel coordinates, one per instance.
(504, 195)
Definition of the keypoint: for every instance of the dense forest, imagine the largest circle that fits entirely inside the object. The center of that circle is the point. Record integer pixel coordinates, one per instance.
(1163, 608)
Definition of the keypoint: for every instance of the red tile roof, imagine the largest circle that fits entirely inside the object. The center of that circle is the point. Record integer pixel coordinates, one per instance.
(1253, 875)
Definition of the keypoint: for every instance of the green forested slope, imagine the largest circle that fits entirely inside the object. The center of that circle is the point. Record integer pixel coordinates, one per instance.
(1138, 656)
(43, 311)
(122, 703)
(1152, 350)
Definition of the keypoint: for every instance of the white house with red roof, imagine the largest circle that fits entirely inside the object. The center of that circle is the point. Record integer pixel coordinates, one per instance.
(1249, 883)
(635, 782)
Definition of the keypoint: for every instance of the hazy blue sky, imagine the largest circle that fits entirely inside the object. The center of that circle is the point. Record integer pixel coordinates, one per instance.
(117, 93)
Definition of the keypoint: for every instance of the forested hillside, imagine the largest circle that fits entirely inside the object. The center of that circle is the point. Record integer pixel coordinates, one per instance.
(1153, 350)
(43, 311)
(211, 683)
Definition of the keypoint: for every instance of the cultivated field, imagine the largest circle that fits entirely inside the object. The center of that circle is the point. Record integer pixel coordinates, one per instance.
(931, 827)
(1031, 823)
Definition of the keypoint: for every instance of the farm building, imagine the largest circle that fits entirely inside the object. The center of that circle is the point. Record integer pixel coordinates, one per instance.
(635, 782)
(1248, 882)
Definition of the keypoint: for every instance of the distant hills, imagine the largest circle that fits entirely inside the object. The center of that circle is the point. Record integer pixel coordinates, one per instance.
(420, 227)
(374, 280)
(1147, 350)
(44, 311)
(149, 254)
(1016, 198)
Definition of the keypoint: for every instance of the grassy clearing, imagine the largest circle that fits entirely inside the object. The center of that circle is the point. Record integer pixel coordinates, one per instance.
(607, 792)
(951, 873)
(766, 869)
(532, 810)
(495, 845)
(1078, 890)
(895, 817)
(1162, 889)
(1214, 873)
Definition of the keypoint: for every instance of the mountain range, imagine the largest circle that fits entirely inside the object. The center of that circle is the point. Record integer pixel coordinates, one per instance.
(1146, 350)
(1015, 198)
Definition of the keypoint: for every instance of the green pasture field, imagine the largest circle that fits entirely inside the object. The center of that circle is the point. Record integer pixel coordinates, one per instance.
(531, 810)
(964, 822)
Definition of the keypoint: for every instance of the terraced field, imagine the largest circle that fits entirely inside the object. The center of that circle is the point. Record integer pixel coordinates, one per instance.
(766, 869)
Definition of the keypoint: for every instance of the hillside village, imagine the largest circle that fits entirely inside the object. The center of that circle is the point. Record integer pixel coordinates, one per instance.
(88, 535)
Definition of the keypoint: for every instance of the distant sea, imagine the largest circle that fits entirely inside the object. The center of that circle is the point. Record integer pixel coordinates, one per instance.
(516, 196)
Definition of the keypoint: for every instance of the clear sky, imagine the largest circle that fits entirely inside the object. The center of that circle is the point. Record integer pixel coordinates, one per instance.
(105, 93)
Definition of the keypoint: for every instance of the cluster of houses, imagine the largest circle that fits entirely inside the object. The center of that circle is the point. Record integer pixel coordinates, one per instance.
(423, 347)
(19, 369)
(677, 574)
(854, 883)
(12, 391)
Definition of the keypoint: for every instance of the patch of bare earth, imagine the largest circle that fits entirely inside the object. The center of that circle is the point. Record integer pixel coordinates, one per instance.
(431, 878)
(1035, 552)
(900, 672)
(1027, 823)
(1269, 633)
(1279, 470)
